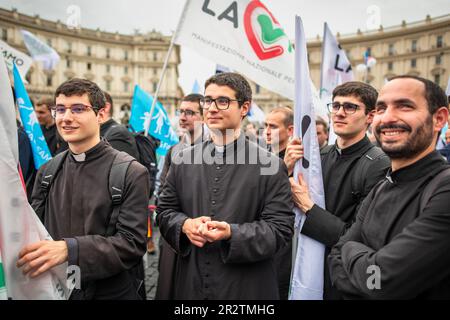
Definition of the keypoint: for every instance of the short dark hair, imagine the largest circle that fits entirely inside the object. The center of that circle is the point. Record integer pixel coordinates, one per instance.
(435, 96)
(78, 87)
(194, 97)
(321, 121)
(236, 82)
(48, 101)
(288, 115)
(109, 100)
(363, 91)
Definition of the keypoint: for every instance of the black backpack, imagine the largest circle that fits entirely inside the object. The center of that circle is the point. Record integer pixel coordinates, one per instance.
(116, 186)
(362, 166)
(147, 146)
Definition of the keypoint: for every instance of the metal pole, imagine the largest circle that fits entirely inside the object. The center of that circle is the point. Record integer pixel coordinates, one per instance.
(169, 52)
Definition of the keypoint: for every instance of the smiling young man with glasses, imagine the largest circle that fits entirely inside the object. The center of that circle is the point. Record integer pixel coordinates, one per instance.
(73, 196)
(350, 169)
(226, 219)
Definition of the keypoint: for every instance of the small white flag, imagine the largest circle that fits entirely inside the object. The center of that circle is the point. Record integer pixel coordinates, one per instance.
(40, 51)
(13, 56)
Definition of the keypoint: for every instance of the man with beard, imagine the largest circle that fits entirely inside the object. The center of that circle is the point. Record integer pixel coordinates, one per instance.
(398, 247)
(350, 169)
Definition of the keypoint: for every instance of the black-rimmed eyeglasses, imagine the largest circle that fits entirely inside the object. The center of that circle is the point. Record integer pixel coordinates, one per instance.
(348, 107)
(222, 103)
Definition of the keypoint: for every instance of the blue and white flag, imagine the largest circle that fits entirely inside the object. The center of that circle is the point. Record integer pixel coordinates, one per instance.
(196, 88)
(41, 153)
(40, 51)
(308, 268)
(255, 114)
(160, 127)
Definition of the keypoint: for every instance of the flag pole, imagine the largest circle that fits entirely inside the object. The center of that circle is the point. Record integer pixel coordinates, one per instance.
(321, 62)
(169, 52)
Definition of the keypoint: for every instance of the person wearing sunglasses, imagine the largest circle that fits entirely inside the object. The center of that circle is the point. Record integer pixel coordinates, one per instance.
(225, 216)
(350, 169)
(75, 203)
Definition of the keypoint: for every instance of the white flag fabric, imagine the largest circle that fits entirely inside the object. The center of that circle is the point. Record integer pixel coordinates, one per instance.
(308, 267)
(335, 70)
(447, 91)
(7, 110)
(40, 51)
(13, 56)
(19, 224)
(242, 35)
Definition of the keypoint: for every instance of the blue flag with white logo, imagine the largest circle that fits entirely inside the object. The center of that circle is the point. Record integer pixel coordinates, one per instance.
(160, 126)
(41, 153)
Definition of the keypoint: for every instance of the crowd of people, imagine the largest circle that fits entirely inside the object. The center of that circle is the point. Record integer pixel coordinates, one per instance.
(226, 197)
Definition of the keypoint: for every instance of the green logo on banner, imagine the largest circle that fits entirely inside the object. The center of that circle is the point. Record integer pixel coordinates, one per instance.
(2, 276)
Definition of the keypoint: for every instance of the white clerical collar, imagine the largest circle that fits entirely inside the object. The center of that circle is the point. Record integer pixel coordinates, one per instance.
(219, 149)
(79, 157)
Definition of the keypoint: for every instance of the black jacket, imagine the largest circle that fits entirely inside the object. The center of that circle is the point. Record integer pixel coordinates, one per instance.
(78, 209)
(119, 137)
(257, 206)
(338, 168)
(409, 247)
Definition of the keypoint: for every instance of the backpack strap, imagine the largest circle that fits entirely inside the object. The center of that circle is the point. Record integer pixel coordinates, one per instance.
(362, 166)
(326, 150)
(431, 187)
(116, 185)
(48, 176)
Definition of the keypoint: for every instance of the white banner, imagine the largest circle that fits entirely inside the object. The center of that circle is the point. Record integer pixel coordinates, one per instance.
(308, 266)
(242, 35)
(335, 70)
(19, 224)
(11, 55)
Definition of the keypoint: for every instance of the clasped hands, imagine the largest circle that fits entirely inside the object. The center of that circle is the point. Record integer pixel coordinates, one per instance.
(202, 229)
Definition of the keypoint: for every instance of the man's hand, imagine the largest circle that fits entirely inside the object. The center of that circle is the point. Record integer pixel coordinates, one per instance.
(300, 194)
(215, 231)
(294, 152)
(39, 257)
(191, 229)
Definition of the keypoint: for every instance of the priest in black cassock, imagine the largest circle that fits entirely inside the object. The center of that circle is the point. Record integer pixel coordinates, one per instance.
(226, 206)
(398, 248)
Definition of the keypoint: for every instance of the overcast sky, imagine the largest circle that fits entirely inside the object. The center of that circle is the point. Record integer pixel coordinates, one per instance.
(162, 15)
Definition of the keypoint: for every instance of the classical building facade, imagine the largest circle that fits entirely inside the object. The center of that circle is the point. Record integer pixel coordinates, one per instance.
(421, 48)
(116, 62)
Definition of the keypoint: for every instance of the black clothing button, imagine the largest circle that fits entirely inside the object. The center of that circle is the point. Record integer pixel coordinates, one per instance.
(216, 179)
(213, 202)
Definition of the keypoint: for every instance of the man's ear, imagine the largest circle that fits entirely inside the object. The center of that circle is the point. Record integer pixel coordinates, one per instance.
(102, 115)
(370, 116)
(440, 118)
(291, 130)
(245, 108)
